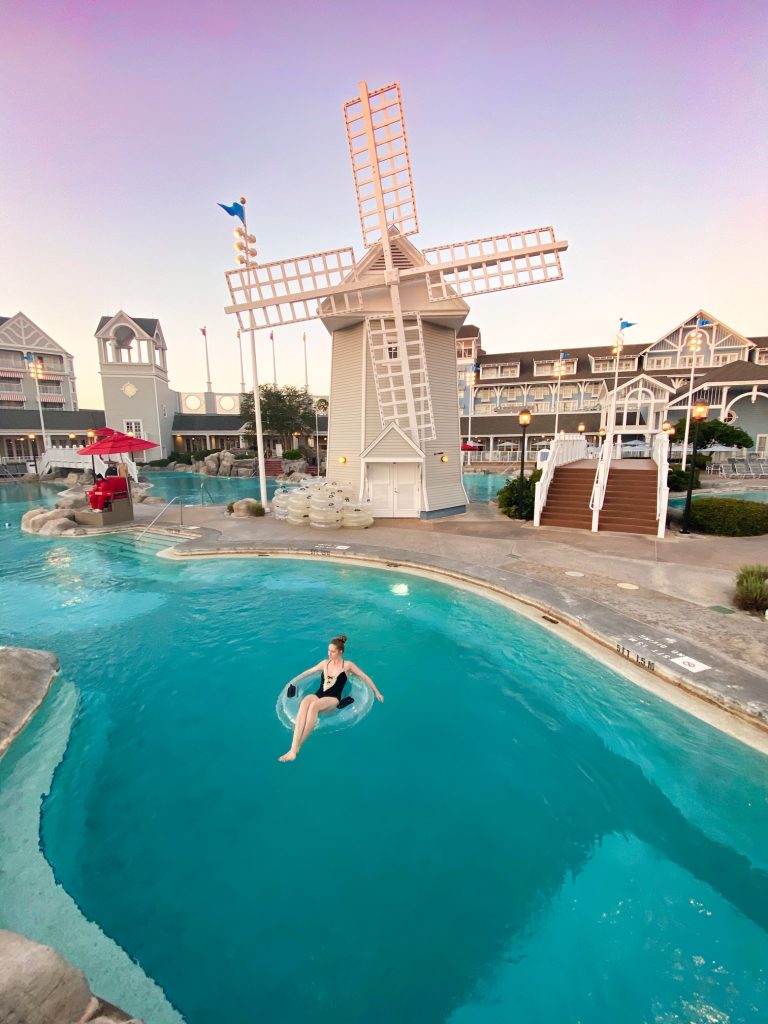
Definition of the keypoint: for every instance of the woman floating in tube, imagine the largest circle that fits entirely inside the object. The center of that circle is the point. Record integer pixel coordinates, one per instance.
(328, 697)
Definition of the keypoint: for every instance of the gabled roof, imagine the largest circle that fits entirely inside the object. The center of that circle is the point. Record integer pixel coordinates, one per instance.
(691, 322)
(148, 326)
(759, 342)
(39, 340)
(468, 331)
(391, 428)
(641, 377)
(583, 368)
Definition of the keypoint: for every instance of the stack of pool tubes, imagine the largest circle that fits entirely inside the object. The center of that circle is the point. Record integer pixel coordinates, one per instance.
(324, 504)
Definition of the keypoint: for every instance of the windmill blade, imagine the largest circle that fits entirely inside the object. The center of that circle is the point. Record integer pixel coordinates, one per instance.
(493, 264)
(288, 291)
(378, 148)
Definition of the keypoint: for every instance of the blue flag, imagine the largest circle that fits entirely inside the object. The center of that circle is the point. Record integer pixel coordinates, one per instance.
(235, 210)
(564, 355)
(703, 323)
(626, 323)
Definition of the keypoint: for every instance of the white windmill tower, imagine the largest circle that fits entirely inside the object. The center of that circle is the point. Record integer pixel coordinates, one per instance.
(394, 418)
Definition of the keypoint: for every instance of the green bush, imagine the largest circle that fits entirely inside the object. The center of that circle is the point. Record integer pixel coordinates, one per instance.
(184, 458)
(241, 458)
(752, 588)
(677, 479)
(292, 454)
(161, 462)
(231, 507)
(509, 496)
(729, 517)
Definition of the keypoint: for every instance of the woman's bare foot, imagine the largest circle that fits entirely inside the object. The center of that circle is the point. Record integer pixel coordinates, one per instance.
(290, 756)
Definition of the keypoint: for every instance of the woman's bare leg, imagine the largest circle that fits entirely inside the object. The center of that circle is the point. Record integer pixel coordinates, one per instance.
(318, 707)
(298, 729)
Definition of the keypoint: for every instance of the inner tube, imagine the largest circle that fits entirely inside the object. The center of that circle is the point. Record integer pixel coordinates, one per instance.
(287, 707)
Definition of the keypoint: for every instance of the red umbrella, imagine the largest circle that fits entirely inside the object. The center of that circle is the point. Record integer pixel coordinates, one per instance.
(116, 444)
(471, 447)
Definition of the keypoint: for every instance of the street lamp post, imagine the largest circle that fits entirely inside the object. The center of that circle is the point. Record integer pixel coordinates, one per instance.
(524, 419)
(699, 412)
(33, 449)
(581, 428)
(559, 369)
(472, 380)
(694, 340)
(602, 432)
(35, 364)
(91, 436)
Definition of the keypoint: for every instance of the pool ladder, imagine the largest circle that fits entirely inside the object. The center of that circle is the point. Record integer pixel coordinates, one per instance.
(163, 509)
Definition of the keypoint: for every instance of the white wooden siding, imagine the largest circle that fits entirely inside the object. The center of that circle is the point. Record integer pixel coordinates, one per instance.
(344, 433)
(443, 479)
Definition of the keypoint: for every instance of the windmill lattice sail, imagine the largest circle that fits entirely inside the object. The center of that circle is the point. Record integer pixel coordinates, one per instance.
(381, 165)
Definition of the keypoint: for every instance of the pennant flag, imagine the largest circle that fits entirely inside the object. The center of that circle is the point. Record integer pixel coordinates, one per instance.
(626, 323)
(304, 337)
(271, 335)
(703, 323)
(235, 210)
(564, 355)
(204, 332)
(28, 357)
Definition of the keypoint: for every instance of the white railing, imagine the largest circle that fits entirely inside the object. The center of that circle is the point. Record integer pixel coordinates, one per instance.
(563, 449)
(660, 455)
(505, 456)
(601, 482)
(68, 458)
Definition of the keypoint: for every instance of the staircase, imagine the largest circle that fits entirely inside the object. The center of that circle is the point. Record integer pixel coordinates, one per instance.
(630, 501)
(568, 497)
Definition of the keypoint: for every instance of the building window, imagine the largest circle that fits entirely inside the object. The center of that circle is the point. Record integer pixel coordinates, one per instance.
(509, 370)
(547, 367)
(133, 427)
(489, 371)
(723, 358)
(391, 351)
(659, 363)
(762, 357)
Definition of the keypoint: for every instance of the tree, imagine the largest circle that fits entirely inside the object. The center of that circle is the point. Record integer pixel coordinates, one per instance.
(715, 432)
(283, 412)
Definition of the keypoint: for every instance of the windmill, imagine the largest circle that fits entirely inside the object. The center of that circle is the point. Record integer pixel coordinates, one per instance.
(393, 316)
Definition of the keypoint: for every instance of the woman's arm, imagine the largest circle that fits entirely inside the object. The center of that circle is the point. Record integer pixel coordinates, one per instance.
(308, 671)
(366, 679)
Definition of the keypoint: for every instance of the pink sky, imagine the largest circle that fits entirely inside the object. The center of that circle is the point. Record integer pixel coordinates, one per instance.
(638, 130)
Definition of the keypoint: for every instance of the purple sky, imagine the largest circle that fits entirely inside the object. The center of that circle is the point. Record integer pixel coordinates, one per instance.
(637, 129)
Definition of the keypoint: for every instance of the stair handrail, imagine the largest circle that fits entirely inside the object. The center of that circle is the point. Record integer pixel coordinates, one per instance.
(601, 481)
(564, 448)
(163, 509)
(660, 455)
(204, 488)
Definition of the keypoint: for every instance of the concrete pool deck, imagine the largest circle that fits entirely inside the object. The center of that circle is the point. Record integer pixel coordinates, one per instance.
(660, 606)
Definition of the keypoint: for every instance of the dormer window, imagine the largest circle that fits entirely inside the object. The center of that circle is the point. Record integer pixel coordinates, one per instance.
(554, 367)
(762, 357)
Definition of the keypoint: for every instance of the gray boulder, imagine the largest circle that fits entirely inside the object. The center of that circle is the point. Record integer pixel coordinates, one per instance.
(37, 986)
(247, 507)
(55, 528)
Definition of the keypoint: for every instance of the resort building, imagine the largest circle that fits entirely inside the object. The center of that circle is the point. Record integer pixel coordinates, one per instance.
(573, 391)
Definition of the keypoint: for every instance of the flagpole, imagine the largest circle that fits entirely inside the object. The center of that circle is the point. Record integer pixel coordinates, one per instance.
(204, 332)
(306, 372)
(254, 368)
(242, 371)
(274, 363)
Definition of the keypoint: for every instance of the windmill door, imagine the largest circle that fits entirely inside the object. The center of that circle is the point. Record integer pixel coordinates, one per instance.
(394, 489)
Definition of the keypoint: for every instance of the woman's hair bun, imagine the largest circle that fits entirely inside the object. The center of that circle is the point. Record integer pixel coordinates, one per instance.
(339, 640)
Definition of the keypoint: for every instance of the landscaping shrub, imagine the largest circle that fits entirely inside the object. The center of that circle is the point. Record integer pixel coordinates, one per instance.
(729, 517)
(292, 454)
(677, 479)
(231, 507)
(509, 496)
(752, 588)
(161, 462)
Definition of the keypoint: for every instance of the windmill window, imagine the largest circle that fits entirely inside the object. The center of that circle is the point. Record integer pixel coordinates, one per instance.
(391, 351)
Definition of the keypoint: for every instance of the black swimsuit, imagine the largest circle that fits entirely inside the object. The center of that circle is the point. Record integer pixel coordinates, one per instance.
(335, 690)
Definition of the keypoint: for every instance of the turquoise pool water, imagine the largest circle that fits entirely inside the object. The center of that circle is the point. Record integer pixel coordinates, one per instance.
(516, 834)
(218, 490)
(483, 486)
(479, 487)
(762, 496)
